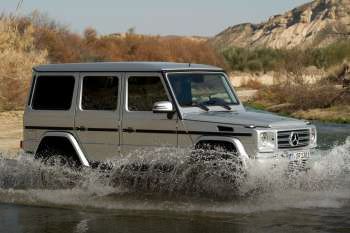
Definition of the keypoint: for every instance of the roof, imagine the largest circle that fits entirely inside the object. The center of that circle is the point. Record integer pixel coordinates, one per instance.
(123, 67)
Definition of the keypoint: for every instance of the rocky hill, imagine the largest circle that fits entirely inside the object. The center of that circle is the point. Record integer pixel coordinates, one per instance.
(317, 23)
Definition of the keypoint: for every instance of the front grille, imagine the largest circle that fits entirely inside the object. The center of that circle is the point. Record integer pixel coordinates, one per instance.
(284, 137)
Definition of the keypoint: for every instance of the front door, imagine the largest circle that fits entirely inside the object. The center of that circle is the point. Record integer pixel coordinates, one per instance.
(97, 118)
(143, 129)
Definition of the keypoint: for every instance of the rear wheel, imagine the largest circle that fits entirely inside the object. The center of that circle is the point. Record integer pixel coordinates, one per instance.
(57, 152)
(59, 158)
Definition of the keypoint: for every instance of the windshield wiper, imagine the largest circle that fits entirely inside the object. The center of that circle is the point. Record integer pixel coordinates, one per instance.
(219, 102)
(225, 106)
(201, 106)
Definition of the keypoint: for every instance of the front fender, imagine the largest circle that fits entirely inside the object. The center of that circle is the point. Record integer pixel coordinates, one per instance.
(242, 153)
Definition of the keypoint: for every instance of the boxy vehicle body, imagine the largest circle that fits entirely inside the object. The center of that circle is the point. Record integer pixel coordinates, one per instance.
(104, 111)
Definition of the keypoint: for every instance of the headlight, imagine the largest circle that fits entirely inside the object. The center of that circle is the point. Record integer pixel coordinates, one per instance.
(266, 141)
(313, 137)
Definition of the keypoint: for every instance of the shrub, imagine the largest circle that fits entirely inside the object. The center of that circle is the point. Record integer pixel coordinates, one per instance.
(65, 46)
(35, 39)
(258, 59)
(301, 95)
(17, 57)
(267, 59)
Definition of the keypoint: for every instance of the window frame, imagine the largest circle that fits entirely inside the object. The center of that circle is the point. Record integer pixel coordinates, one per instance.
(130, 75)
(86, 75)
(56, 74)
(32, 88)
(178, 106)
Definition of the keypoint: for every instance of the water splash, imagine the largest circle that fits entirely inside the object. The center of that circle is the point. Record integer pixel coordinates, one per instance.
(161, 180)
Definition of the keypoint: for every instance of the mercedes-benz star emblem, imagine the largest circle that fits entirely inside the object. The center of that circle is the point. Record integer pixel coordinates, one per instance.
(294, 139)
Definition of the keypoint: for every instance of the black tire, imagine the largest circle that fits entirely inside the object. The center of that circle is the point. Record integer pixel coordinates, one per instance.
(54, 156)
(207, 151)
(219, 153)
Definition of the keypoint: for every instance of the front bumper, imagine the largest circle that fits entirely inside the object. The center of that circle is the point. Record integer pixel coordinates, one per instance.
(280, 158)
(291, 159)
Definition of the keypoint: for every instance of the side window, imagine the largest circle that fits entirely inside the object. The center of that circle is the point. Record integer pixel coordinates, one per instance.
(144, 91)
(100, 93)
(53, 93)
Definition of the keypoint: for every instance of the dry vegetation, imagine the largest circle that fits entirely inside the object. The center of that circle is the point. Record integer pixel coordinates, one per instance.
(338, 114)
(320, 100)
(295, 95)
(17, 56)
(35, 39)
(63, 45)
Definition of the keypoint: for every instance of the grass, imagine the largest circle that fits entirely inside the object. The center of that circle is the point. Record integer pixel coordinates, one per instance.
(255, 105)
(336, 114)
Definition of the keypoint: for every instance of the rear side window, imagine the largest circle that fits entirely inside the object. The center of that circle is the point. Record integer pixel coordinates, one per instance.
(53, 93)
(143, 92)
(100, 93)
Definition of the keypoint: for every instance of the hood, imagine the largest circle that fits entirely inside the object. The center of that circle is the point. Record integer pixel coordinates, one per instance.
(258, 119)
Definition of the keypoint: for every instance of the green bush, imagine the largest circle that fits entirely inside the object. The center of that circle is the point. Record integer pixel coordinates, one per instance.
(260, 59)
(331, 55)
(268, 59)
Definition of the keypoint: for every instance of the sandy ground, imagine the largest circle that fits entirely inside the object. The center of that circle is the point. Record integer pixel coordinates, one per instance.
(10, 131)
(245, 95)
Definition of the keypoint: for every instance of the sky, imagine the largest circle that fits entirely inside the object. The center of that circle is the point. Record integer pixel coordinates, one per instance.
(160, 17)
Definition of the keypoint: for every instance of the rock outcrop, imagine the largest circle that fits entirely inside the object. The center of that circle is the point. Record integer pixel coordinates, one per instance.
(317, 23)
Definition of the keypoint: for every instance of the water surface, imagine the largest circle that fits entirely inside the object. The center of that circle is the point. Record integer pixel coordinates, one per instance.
(180, 198)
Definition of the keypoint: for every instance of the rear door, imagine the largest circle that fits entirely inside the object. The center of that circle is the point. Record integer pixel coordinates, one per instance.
(51, 106)
(143, 129)
(97, 120)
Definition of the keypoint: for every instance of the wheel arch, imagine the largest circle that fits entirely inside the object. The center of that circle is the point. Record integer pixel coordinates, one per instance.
(71, 139)
(242, 153)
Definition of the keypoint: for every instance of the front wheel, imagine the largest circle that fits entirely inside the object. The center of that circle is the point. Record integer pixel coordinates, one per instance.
(221, 160)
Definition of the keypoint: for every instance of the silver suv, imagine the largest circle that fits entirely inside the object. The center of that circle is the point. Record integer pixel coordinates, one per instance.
(102, 111)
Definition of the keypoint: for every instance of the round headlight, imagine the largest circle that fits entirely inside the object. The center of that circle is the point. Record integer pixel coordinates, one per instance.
(313, 136)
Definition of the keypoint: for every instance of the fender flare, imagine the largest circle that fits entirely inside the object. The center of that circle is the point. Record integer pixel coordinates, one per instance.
(72, 140)
(242, 153)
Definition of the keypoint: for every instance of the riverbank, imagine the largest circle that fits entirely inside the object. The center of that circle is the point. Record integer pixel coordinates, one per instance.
(335, 114)
(11, 131)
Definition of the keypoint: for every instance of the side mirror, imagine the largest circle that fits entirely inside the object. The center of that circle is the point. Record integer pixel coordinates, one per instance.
(163, 107)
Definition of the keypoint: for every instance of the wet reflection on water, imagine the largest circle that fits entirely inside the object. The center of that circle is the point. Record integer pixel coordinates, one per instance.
(24, 219)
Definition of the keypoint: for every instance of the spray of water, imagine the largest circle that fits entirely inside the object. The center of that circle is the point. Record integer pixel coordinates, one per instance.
(161, 180)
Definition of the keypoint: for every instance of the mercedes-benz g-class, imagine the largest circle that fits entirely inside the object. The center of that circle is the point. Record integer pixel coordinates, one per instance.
(101, 111)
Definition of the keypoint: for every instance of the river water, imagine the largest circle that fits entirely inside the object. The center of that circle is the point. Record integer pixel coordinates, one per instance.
(159, 192)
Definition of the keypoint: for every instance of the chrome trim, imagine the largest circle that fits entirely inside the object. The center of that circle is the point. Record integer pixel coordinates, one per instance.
(242, 153)
(285, 137)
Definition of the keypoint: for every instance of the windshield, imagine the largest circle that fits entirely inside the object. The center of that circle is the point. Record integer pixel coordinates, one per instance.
(202, 89)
